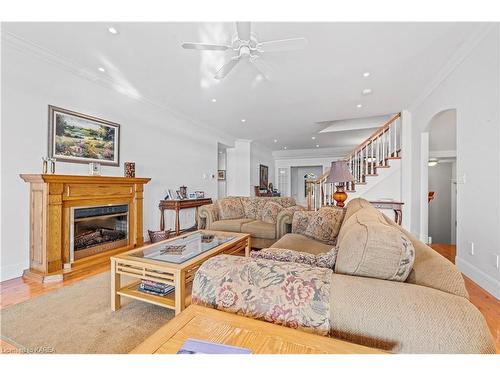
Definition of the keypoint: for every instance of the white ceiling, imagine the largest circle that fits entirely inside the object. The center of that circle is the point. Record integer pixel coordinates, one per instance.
(320, 83)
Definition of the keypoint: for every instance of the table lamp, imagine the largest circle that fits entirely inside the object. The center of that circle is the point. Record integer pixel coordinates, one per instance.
(339, 174)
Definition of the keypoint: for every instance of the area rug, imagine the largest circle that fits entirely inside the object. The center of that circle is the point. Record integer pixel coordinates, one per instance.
(78, 319)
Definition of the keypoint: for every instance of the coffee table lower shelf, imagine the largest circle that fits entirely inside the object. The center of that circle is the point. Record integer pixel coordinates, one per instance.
(168, 301)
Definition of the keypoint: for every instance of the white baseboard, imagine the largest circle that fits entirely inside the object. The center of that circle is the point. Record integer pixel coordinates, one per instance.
(485, 281)
(12, 271)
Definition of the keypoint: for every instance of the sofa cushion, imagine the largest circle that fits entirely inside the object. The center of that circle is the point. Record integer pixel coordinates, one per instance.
(303, 243)
(285, 201)
(323, 260)
(325, 224)
(250, 207)
(372, 248)
(260, 229)
(289, 294)
(230, 208)
(232, 225)
(261, 203)
(270, 212)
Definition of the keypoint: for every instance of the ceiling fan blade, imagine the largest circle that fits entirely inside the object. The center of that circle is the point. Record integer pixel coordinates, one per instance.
(282, 45)
(226, 68)
(243, 29)
(205, 47)
(264, 68)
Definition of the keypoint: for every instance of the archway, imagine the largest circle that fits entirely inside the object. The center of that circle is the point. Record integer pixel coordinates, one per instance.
(438, 177)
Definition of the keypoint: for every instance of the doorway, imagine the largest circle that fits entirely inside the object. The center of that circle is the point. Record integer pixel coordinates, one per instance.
(298, 176)
(438, 180)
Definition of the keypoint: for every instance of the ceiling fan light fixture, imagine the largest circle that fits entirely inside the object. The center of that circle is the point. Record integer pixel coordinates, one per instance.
(214, 100)
(243, 120)
(366, 74)
(366, 91)
(359, 105)
(113, 30)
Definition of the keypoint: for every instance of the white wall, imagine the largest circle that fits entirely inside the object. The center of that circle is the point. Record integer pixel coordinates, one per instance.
(260, 154)
(440, 177)
(472, 87)
(170, 150)
(238, 168)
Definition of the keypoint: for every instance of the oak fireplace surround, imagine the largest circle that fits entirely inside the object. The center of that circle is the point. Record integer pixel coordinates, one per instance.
(102, 214)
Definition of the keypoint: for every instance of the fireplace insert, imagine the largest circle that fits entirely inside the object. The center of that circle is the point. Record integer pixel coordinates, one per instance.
(97, 229)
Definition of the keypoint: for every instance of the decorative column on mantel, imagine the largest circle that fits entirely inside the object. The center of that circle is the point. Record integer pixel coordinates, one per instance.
(52, 197)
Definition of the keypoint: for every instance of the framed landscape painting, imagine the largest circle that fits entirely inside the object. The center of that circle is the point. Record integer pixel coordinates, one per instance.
(79, 138)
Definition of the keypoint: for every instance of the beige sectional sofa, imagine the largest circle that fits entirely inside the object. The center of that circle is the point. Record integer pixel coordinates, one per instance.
(266, 219)
(386, 290)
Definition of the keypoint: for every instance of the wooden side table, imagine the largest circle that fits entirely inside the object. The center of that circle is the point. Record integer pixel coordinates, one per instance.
(397, 207)
(177, 205)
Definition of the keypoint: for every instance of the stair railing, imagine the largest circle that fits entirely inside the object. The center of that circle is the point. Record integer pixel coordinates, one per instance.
(381, 146)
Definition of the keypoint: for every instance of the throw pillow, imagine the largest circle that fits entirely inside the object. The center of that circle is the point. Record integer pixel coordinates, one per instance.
(325, 224)
(325, 260)
(251, 207)
(300, 221)
(375, 249)
(270, 212)
(230, 208)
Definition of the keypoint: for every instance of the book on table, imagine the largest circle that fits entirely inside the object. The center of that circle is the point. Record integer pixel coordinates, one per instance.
(155, 288)
(194, 346)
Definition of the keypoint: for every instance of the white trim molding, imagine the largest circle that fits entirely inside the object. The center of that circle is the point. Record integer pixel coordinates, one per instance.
(490, 284)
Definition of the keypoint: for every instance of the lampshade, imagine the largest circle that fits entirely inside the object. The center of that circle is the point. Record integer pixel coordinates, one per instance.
(339, 172)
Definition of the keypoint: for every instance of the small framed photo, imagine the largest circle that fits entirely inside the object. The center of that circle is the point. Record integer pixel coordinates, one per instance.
(221, 174)
(192, 195)
(200, 194)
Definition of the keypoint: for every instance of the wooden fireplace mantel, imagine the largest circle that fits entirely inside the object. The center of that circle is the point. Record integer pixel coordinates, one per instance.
(51, 198)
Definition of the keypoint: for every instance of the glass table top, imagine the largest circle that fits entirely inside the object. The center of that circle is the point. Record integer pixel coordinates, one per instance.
(183, 248)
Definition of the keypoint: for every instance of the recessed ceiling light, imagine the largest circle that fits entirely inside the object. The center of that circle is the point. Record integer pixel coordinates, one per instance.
(101, 69)
(367, 91)
(313, 138)
(275, 141)
(243, 120)
(317, 145)
(214, 100)
(366, 74)
(112, 30)
(359, 105)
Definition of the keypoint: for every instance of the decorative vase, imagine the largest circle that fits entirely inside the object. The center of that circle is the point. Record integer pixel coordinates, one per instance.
(129, 169)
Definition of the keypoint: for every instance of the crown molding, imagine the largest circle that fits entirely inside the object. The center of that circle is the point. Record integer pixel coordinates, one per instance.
(24, 45)
(453, 63)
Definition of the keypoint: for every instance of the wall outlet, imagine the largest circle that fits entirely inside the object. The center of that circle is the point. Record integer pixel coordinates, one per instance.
(471, 248)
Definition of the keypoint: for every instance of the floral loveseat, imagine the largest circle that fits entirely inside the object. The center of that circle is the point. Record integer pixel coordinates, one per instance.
(266, 219)
(377, 286)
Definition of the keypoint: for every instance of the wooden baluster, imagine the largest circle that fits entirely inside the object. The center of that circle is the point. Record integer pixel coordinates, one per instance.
(371, 160)
(389, 143)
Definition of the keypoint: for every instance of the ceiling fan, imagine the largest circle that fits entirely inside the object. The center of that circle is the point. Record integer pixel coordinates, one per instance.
(246, 46)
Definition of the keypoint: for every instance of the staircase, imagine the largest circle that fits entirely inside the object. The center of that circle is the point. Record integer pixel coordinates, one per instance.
(375, 165)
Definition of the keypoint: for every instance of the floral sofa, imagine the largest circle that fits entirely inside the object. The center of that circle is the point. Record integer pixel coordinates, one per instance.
(266, 219)
(375, 284)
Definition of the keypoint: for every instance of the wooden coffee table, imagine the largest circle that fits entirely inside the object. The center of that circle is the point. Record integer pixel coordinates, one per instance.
(156, 263)
(260, 337)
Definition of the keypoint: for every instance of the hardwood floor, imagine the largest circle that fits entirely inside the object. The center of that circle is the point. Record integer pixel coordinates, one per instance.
(485, 302)
(19, 290)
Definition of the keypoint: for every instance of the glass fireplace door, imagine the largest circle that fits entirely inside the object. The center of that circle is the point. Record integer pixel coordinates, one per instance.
(97, 229)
